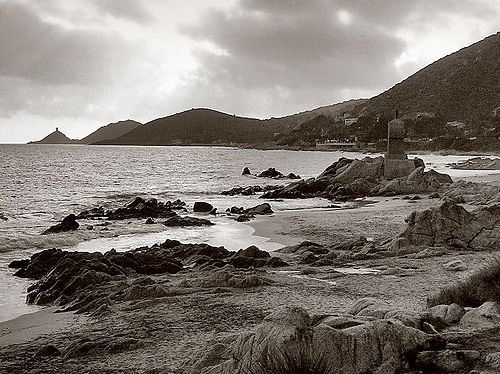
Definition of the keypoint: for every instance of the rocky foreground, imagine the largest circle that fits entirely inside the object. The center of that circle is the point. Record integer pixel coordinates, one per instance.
(426, 304)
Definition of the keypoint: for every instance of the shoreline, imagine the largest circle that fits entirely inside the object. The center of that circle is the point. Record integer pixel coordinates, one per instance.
(31, 326)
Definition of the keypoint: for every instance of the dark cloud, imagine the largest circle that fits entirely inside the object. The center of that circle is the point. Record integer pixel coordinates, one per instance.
(42, 52)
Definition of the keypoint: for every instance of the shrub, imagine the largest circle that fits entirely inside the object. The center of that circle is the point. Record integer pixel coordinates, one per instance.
(481, 286)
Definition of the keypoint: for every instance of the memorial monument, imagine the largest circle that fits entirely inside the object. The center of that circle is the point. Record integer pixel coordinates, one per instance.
(397, 164)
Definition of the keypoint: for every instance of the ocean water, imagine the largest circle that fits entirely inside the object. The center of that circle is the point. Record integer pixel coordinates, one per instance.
(40, 184)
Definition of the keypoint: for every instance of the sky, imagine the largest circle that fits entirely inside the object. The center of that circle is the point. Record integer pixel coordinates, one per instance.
(81, 64)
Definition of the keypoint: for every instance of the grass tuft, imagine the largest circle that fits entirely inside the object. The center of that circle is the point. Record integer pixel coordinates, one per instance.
(480, 287)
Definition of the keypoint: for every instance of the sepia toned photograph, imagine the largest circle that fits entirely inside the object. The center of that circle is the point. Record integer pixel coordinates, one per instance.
(250, 186)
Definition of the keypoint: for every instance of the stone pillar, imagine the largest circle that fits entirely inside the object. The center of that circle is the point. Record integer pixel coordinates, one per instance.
(396, 163)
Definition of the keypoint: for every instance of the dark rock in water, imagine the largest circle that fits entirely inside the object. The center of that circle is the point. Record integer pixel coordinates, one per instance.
(213, 212)
(270, 173)
(178, 221)
(92, 213)
(246, 171)
(150, 221)
(293, 176)
(67, 224)
(260, 209)
(138, 208)
(244, 217)
(253, 251)
(48, 351)
(19, 264)
(3, 218)
(202, 207)
(235, 210)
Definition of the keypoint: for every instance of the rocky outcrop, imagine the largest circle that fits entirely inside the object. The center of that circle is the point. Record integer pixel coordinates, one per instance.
(79, 277)
(275, 174)
(246, 171)
(477, 163)
(249, 190)
(138, 208)
(289, 340)
(178, 221)
(451, 225)
(348, 178)
(67, 224)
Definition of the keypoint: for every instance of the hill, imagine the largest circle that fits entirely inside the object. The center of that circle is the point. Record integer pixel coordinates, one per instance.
(111, 131)
(463, 86)
(202, 126)
(334, 111)
(56, 137)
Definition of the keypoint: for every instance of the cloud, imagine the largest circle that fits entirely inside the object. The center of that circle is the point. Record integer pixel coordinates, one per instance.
(132, 10)
(51, 69)
(288, 55)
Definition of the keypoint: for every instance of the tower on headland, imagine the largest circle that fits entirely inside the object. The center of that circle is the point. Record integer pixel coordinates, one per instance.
(396, 164)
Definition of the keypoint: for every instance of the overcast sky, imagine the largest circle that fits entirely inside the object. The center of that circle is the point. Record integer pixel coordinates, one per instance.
(80, 64)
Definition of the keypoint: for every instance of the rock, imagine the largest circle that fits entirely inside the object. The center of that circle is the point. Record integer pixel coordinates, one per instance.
(90, 227)
(246, 171)
(289, 341)
(447, 361)
(2, 217)
(434, 195)
(271, 173)
(452, 226)
(484, 317)
(244, 217)
(253, 252)
(202, 207)
(477, 163)
(19, 264)
(150, 221)
(447, 314)
(369, 306)
(213, 212)
(293, 176)
(48, 351)
(260, 209)
(455, 265)
(41, 263)
(493, 360)
(178, 221)
(245, 262)
(235, 210)
(67, 224)
(141, 208)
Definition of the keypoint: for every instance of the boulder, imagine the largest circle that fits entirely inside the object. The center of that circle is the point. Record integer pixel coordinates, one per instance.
(260, 209)
(289, 341)
(271, 173)
(2, 217)
(67, 224)
(483, 317)
(202, 207)
(371, 307)
(246, 171)
(150, 221)
(451, 225)
(447, 314)
(244, 217)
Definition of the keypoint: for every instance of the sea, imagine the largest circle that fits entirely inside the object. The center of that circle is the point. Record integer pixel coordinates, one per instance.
(41, 184)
